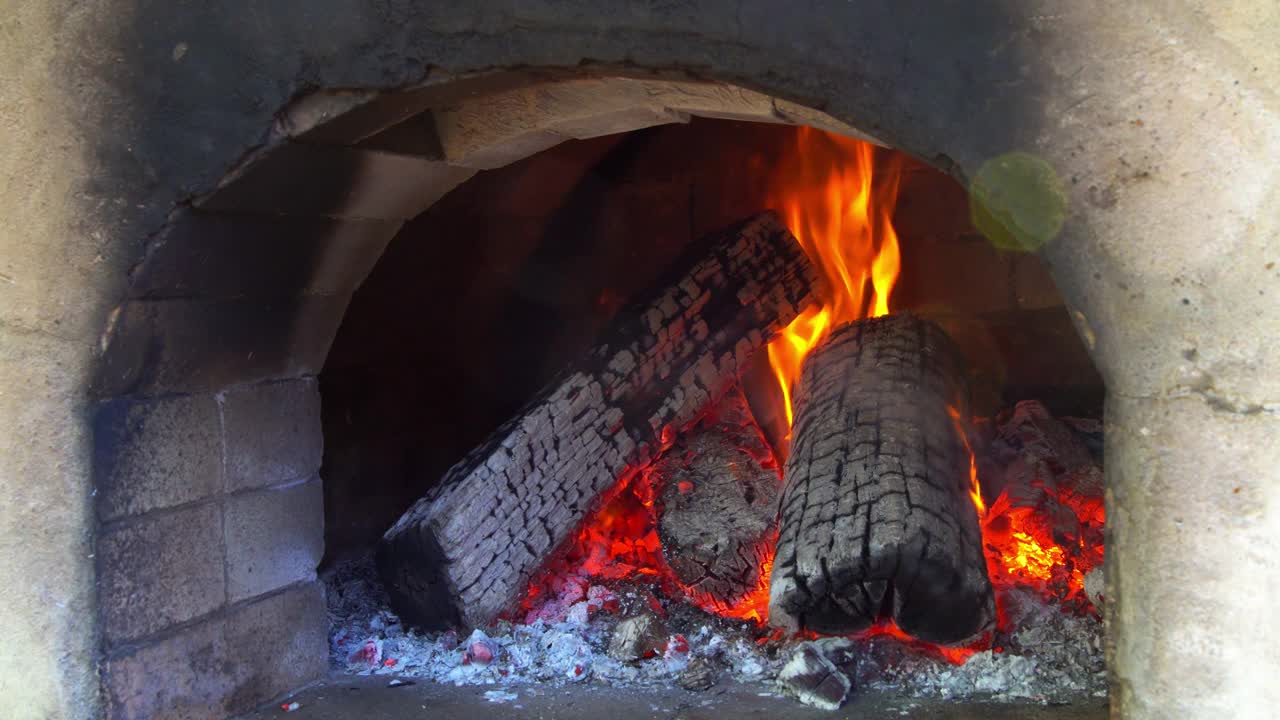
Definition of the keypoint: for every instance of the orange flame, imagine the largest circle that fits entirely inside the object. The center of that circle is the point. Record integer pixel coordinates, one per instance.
(954, 655)
(1023, 547)
(824, 192)
(975, 488)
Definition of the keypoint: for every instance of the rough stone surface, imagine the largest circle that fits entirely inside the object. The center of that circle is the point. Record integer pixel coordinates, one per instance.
(156, 454)
(496, 129)
(1168, 488)
(225, 665)
(160, 571)
(180, 345)
(195, 681)
(227, 256)
(1166, 258)
(343, 698)
(273, 433)
(276, 644)
(274, 538)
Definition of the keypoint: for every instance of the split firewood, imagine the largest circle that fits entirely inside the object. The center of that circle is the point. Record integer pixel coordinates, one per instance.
(814, 676)
(464, 552)
(717, 492)
(638, 637)
(877, 517)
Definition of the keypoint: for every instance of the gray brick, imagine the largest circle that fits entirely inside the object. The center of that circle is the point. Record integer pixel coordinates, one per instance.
(278, 644)
(225, 665)
(185, 676)
(160, 571)
(273, 433)
(155, 454)
(274, 538)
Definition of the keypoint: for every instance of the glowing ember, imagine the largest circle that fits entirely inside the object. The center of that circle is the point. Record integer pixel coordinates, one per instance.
(953, 655)
(1023, 549)
(755, 606)
(825, 194)
(975, 489)
(1028, 557)
(620, 543)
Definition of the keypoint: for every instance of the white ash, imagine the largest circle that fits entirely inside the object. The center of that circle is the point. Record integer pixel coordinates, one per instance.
(1094, 586)
(366, 638)
(1050, 656)
(499, 696)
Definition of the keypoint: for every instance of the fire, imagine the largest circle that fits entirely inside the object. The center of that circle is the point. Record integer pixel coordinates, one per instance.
(975, 488)
(825, 194)
(1024, 548)
(1028, 556)
(953, 655)
(620, 542)
(843, 220)
(754, 606)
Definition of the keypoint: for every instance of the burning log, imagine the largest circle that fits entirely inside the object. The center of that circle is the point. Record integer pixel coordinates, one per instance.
(717, 507)
(464, 552)
(877, 516)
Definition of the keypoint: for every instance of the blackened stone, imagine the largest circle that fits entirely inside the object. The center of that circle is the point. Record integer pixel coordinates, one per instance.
(172, 346)
(277, 644)
(206, 255)
(274, 538)
(155, 454)
(225, 665)
(273, 433)
(160, 571)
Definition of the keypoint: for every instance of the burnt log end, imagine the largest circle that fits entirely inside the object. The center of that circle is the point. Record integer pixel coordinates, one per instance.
(876, 517)
(717, 495)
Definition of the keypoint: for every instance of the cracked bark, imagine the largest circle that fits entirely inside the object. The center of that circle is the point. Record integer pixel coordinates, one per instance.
(876, 517)
(464, 552)
(718, 491)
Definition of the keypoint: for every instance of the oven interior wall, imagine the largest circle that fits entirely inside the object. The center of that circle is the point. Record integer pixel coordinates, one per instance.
(490, 292)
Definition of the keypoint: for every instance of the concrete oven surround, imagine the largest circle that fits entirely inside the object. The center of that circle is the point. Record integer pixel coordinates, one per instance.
(192, 191)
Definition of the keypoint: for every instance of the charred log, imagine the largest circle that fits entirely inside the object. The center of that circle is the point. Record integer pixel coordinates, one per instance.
(717, 494)
(463, 553)
(876, 517)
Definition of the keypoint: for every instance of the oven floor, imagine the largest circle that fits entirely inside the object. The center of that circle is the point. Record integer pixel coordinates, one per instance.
(345, 697)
